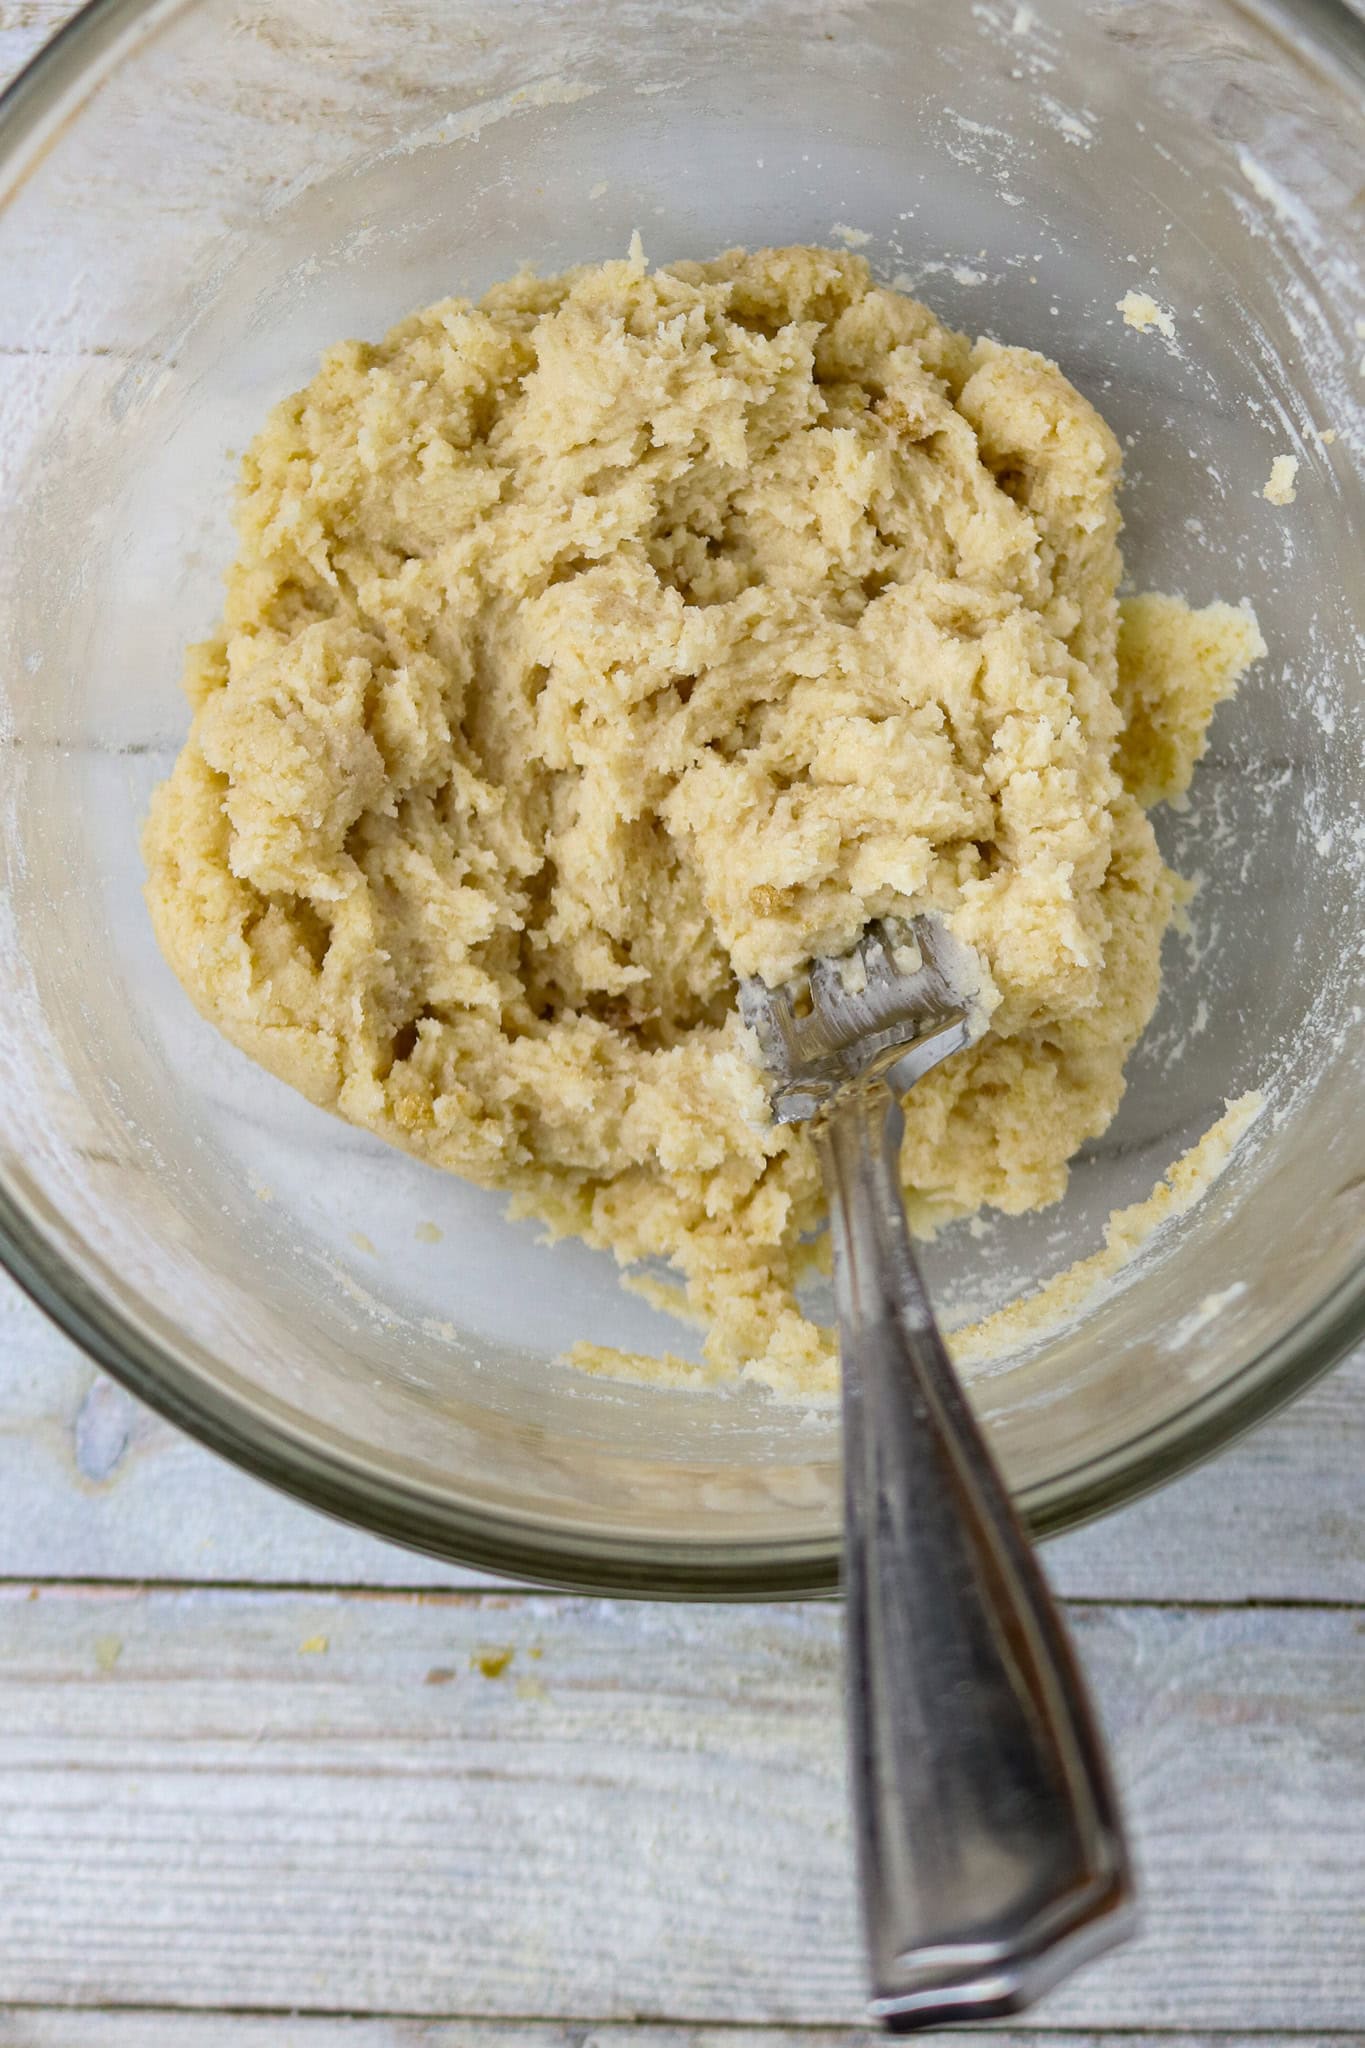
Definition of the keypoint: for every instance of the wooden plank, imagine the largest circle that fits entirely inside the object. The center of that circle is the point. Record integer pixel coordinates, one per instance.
(93, 1486)
(1278, 1516)
(365, 1804)
(25, 25)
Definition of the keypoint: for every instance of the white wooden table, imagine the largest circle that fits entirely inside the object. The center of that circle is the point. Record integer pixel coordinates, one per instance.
(264, 1781)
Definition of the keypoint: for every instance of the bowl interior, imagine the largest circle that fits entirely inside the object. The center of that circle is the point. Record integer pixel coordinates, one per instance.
(255, 183)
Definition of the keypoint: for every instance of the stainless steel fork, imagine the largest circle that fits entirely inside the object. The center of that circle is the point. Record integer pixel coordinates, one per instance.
(990, 1848)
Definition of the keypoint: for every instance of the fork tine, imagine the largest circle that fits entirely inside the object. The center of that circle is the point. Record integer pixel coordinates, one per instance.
(784, 1014)
(954, 969)
(875, 950)
(904, 996)
(826, 987)
(768, 1014)
(929, 937)
(761, 1005)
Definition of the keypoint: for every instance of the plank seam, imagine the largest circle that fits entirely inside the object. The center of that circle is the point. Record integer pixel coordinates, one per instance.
(514, 1590)
(1019, 2023)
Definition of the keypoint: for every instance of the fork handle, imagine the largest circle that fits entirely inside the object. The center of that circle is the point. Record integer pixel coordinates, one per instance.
(990, 1848)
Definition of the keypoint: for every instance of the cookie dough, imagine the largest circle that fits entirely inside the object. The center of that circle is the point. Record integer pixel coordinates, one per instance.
(629, 632)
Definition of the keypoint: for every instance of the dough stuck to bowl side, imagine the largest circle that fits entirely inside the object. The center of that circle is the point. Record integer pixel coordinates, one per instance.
(633, 631)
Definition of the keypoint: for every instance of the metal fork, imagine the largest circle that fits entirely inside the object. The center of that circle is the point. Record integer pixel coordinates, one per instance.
(990, 1848)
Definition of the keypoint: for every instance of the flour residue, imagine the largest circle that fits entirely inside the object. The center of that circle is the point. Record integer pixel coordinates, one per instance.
(1063, 1298)
(1210, 1307)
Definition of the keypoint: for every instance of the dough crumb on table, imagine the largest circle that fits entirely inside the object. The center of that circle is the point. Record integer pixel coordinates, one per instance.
(627, 633)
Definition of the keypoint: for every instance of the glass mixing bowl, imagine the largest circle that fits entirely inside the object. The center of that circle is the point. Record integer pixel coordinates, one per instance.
(194, 200)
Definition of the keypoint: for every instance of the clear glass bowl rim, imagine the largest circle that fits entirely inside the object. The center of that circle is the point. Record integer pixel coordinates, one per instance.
(544, 1552)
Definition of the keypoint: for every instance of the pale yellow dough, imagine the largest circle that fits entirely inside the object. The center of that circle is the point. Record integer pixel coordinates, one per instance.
(628, 633)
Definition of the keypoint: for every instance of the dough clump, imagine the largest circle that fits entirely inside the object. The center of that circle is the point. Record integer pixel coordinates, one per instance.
(628, 633)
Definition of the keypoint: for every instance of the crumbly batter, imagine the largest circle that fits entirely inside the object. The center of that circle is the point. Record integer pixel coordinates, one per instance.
(1279, 486)
(627, 633)
(1125, 1234)
(1141, 310)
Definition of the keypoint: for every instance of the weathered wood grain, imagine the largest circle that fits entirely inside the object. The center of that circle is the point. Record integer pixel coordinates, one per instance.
(25, 25)
(363, 1803)
(93, 1486)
